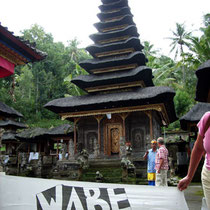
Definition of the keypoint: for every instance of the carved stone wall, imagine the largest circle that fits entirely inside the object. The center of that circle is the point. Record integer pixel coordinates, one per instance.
(87, 133)
(138, 131)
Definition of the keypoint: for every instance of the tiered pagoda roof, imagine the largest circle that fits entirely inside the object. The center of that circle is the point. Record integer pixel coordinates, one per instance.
(118, 75)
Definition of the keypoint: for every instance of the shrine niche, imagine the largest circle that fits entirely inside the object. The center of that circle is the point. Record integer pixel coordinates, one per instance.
(90, 140)
(138, 139)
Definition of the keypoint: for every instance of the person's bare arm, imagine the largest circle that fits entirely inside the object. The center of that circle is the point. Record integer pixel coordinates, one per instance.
(196, 156)
(145, 155)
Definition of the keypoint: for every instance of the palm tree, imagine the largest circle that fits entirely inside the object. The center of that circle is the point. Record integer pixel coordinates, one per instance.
(180, 39)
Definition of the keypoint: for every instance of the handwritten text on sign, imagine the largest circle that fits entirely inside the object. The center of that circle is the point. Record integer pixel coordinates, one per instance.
(63, 197)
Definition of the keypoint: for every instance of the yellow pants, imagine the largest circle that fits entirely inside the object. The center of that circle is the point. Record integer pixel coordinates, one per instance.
(151, 176)
(205, 177)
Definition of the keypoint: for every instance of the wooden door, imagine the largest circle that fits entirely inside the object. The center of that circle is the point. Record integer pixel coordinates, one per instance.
(114, 132)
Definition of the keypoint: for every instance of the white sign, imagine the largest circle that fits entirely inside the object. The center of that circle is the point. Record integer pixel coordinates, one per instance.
(19, 193)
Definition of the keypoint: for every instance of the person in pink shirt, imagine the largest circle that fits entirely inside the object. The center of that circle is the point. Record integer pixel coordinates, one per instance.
(161, 164)
(201, 147)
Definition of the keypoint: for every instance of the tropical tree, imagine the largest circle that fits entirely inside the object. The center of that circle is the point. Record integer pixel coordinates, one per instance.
(179, 39)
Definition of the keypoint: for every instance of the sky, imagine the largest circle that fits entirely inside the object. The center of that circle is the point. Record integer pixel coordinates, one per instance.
(69, 19)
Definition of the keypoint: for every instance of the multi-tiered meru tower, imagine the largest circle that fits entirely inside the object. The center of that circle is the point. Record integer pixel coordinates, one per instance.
(121, 99)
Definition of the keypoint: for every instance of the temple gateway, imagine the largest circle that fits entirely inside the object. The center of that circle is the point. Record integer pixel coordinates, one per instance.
(122, 105)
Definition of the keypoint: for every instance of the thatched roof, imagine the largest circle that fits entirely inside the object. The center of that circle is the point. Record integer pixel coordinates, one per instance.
(203, 84)
(109, 1)
(114, 5)
(134, 58)
(128, 31)
(123, 11)
(64, 129)
(125, 20)
(8, 111)
(132, 42)
(36, 133)
(143, 73)
(11, 123)
(8, 136)
(194, 115)
(141, 96)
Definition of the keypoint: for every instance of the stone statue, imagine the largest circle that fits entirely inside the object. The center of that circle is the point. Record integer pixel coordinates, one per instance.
(122, 147)
(63, 151)
(96, 149)
(99, 177)
(83, 159)
(71, 150)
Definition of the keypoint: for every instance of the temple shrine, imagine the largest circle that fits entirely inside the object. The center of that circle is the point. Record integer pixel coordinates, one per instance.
(122, 105)
(15, 51)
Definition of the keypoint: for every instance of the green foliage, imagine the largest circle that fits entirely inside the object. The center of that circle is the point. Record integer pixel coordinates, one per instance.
(34, 85)
(183, 102)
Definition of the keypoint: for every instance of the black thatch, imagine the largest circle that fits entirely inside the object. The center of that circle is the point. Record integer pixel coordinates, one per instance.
(141, 96)
(203, 84)
(194, 115)
(114, 5)
(141, 73)
(125, 20)
(130, 31)
(32, 133)
(28, 46)
(123, 11)
(132, 42)
(35, 133)
(109, 1)
(11, 123)
(8, 136)
(133, 58)
(64, 129)
(8, 111)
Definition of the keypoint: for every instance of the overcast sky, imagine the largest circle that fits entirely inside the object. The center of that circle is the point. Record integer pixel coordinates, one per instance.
(67, 19)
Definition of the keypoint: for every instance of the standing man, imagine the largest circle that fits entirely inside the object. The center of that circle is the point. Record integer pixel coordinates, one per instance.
(150, 156)
(161, 164)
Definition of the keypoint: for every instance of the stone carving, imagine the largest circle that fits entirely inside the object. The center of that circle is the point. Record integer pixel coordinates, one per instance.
(39, 166)
(96, 149)
(138, 138)
(83, 159)
(122, 147)
(91, 138)
(71, 150)
(63, 151)
(99, 177)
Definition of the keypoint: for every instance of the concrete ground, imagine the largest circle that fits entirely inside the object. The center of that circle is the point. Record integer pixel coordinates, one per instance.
(193, 195)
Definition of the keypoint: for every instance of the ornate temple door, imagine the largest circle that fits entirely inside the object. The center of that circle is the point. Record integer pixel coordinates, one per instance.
(114, 132)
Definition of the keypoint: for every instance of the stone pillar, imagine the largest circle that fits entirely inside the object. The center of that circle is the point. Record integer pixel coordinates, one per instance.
(99, 118)
(122, 147)
(75, 134)
(71, 150)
